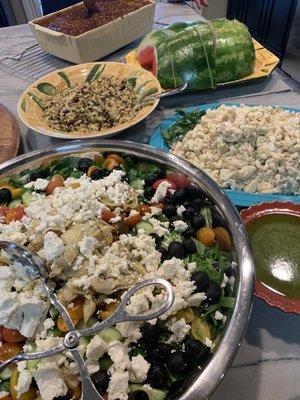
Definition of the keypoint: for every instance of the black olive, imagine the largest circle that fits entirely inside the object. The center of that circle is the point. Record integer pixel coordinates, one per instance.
(160, 174)
(229, 271)
(195, 352)
(186, 204)
(138, 395)
(176, 250)
(170, 200)
(201, 280)
(164, 254)
(99, 174)
(199, 203)
(193, 193)
(84, 164)
(169, 210)
(5, 195)
(36, 175)
(122, 227)
(157, 376)
(101, 380)
(198, 221)
(148, 192)
(179, 195)
(157, 239)
(160, 353)
(217, 220)
(189, 232)
(176, 363)
(175, 218)
(188, 213)
(150, 179)
(150, 334)
(189, 246)
(213, 293)
(216, 265)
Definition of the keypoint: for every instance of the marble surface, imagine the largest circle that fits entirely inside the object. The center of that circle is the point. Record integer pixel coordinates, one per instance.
(268, 363)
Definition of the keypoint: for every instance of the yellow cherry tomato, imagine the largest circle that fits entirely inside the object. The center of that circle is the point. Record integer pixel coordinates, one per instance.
(76, 313)
(223, 238)
(206, 236)
(109, 310)
(99, 159)
(110, 164)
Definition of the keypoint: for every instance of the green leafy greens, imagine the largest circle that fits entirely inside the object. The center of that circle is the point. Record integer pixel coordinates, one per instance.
(186, 121)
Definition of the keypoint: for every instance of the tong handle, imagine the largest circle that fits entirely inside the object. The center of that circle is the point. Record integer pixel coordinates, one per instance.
(122, 315)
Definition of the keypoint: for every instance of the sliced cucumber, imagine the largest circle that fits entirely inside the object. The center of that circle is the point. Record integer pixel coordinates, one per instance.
(153, 394)
(110, 334)
(5, 386)
(15, 202)
(53, 312)
(145, 226)
(81, 324)
(32, 364)
(105, 363)
(26, 197)
(172, 237)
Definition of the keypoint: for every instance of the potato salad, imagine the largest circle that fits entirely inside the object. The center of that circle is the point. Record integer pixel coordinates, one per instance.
(102, 223)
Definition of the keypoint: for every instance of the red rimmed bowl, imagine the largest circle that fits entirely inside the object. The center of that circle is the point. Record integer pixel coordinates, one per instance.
(264, 289)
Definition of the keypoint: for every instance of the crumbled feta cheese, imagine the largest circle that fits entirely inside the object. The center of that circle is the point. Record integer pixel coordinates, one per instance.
(130, 331)
(24, 382)
(119, 355)
(49, 380)
(208, 342)
(87, 246)
(161, 191)
(96, 348)
(40, 184)
(180, 226)
(218, 316)
(138, 369)
(115, 219)
(180, 210)
(53, 246)
(118, 386)
(225, 281)
(179, 330)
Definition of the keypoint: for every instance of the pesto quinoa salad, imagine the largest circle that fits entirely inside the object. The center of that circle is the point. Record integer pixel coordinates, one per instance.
(102, 223)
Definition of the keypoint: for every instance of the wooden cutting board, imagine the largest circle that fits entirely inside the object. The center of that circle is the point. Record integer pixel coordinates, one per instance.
(9, 135)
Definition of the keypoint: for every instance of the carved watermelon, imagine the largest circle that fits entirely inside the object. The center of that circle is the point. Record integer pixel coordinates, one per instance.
(199, 53)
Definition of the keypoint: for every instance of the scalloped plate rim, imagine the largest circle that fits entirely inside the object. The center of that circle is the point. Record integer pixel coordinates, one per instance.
(239, 198)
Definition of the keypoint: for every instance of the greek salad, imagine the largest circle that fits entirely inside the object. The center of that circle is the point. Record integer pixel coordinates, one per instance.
(102, 223)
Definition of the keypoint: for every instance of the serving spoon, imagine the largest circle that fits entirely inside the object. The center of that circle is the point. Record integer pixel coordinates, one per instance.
(30, 260)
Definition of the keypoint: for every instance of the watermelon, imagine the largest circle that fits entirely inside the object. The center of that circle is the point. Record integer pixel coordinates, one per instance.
(201, 54)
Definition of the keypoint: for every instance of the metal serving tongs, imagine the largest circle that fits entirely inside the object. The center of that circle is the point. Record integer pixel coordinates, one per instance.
(70, 343)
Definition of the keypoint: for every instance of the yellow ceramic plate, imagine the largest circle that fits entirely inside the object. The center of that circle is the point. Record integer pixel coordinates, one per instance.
(30, 107)
(265, 63)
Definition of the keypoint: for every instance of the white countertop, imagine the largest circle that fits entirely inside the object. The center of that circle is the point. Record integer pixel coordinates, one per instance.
(267, 366)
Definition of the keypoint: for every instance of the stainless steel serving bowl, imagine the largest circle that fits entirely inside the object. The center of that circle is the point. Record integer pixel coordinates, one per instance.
(204, 382)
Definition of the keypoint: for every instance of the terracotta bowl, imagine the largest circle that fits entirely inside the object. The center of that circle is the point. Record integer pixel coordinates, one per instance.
(262, 290)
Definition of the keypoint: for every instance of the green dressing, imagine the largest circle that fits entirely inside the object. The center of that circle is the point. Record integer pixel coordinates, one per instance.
(275, 240)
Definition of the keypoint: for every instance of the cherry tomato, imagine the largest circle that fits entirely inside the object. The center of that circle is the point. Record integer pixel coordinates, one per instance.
(144, 209)
(223, 238)
(12, 336)
(8, 350)
(57, 177)
(3, 211)
(99, 159)
(206, 236)
(29, 395)
(133, 220)
(172, 185)
(108, 311)
(107, 215)
(180, 180)
(75, 312)
(110, 164)
(14, 214)
(116, 158)
(54, 184)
